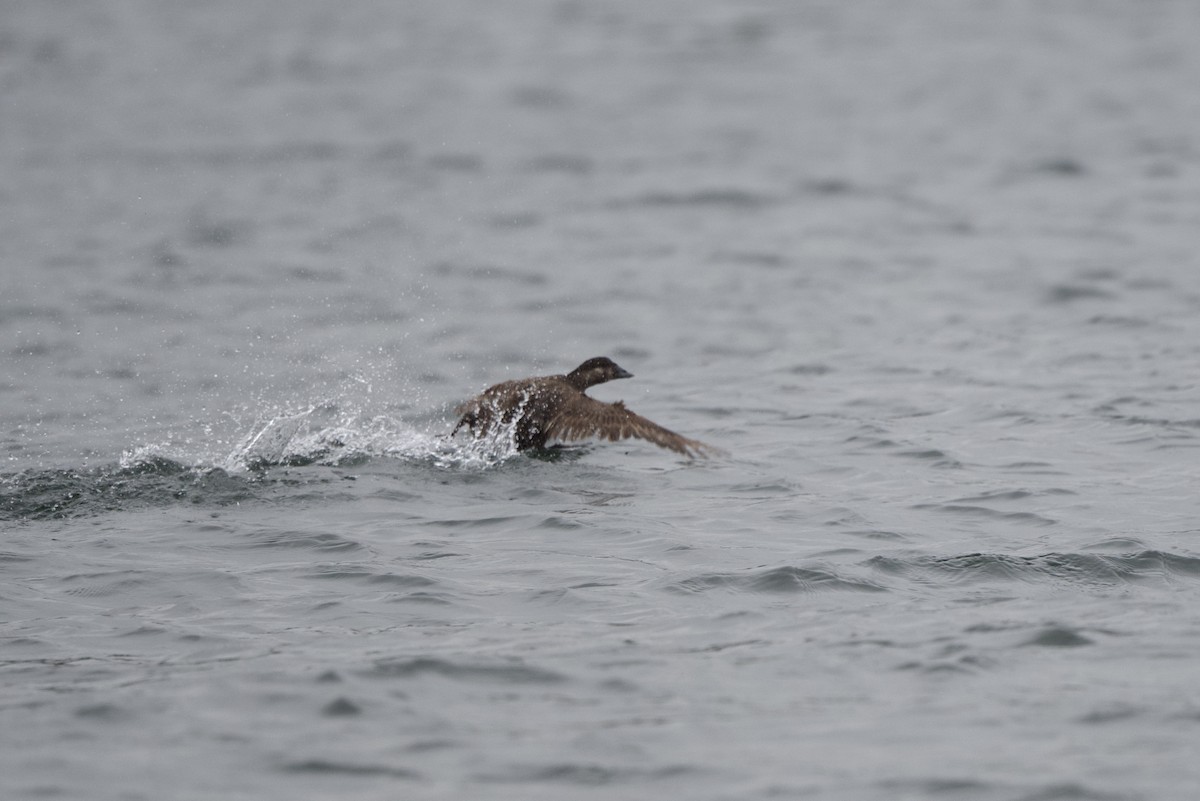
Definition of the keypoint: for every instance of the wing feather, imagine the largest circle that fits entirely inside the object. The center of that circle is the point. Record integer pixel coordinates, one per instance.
(582, 417)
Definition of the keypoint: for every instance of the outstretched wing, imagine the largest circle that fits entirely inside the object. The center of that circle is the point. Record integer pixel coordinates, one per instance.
(581, 417)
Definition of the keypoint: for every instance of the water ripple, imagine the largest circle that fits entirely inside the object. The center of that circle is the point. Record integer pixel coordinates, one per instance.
(587, 774)
(776, 580)
(971, 510)
(515, 673)
(1075, 568)
(337, 767)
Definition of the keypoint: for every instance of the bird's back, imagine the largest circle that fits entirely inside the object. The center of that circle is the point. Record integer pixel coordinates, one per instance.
(526, 404)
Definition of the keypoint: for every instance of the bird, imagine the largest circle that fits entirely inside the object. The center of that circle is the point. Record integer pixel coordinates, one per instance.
(556, 408)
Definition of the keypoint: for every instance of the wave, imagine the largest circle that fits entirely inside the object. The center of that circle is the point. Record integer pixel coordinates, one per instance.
(1146, 566)
(492, 673)
(878, 574)
(784, 579)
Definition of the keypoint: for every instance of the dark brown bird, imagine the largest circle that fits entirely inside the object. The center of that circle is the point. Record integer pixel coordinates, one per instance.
(555, 408)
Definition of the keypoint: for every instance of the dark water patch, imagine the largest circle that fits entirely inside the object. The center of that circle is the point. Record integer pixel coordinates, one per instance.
(809, 368)
(826, 186)
(513, 673)
(998, 495)
(59, 494)
(142, 631)
(540, 97)
(396, 151)
(877, 534)
(456, 162)
(320, 541)
(1070, 568)
(1067, 167)
(767, 487)
(105, 303)
(1072, 791)
(394, 494)
(103, 712)
(159, 481)
(1124, 544)
(1033, 468)
(481, 522)
(232, 156)
(22, 642)
(1059, 637)
(1119, 321)
(949, 663)
(717, 648)
(429, 555)
(986, 513)
(786, 579)
(99, 585)
(339, 572)
(559, 523)
(952, 787)
(935, 457)
(42, 349)
(873, 442)
(1155, 422)
(338, 768)
(1110, 714)
(389, 580)
(418, 597)
(560, 162)
(425, 746)
(583, 774)
(1021, 417)
(488, 272)
(321, 454)
(341, 708)
(959, 788)
(306, 272)
(1071, 293)
(401, 580)
(19, 311)
(553, 596)
(723, 197)
(207, 233)
(749, 257)
(1010, 495)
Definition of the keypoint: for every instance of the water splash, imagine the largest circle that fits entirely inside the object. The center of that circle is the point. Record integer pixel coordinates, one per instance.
(324, 434)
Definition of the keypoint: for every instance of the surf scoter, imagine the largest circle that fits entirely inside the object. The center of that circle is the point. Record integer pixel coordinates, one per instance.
(555, 408)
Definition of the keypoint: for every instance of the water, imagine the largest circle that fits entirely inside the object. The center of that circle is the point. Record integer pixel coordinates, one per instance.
(928, 273)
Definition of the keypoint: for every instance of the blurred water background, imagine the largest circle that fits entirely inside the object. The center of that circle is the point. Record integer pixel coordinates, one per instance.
(928, 271)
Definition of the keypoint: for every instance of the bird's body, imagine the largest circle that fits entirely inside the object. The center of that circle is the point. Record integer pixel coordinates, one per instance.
(555, 408)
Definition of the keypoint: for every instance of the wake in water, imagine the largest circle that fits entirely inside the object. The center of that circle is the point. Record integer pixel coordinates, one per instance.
(154, 481)
(165, 474)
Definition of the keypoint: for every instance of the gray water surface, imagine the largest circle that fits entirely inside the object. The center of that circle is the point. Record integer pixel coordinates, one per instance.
(927, 272)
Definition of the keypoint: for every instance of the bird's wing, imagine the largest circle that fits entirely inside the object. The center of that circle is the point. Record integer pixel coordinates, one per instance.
(582, 417)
